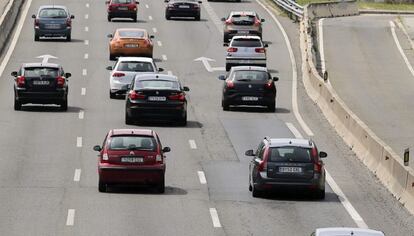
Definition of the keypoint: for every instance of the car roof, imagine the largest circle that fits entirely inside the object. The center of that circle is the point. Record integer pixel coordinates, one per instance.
(156, 76)
(243, 13)
(146, 132)
(246, 37)
(345, 231)
(282, 142)
(39, 64)
(144, 59)
(52, 6)
(254, 68)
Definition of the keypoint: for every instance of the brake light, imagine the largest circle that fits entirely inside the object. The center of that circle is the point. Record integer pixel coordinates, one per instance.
(257, 22)
(179, 97)
(229, 84)
(133, 95)
(317, 166)
(118, 74)
(147, 42)
(262, 166)
(232, 49)
(68, 22)
(260, 50)
(105, 156)
(60, 81)
(159, 159)
(36, 22)
(228, 22)
(195, 6)
(21, 81)
(269, 85)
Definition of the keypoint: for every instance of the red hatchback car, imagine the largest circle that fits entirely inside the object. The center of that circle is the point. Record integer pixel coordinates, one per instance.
(131, 156)
(122, 9)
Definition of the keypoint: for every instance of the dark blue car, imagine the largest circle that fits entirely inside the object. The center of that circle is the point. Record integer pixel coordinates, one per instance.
(53, 21)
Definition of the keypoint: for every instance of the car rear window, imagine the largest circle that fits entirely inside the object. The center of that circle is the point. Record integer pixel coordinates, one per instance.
(41, 72)
(146, 143)
(157, 84)
(248, 75)
(52, 13)
(243, 42)
(131, 34)
(241, 18)
(122, 1)
(135, 66)
(290, 154)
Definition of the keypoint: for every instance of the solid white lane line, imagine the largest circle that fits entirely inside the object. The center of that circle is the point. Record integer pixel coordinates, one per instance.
(402, 27)
(293, 129)
(154, 30)
(86, 56)
(215, 218)
(77, 175)
(213, 16)
(202, 177)
(84, 72)
(86, 28)
(150, 17)
(87, 5)
(86, 42)
(394, 35)
(159, 43)
(192, 144)
(81, 115)
(86, 16)
(15, 37)
(321, 48)
(295, 107)
(83, 91)
(79, 142)
(164, 57)
(70, 220)
(146, 5)
(345, 202)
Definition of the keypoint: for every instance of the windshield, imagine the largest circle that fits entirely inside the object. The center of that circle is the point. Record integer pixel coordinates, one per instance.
(135, 66)
(290, 154)
(132, 143)
(247, 75)
(52, 13)
(41, 72)
(131, 34)
(157, 84)
(246, 42)
(122, 1)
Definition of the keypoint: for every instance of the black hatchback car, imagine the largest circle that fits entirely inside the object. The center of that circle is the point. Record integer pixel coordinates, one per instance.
(156, 97)
(287, 163)
(39, 83)
(249, 85)
(183, 8)
(53, 21)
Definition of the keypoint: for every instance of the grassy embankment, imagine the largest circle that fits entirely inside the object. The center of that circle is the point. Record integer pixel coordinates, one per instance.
(370, 5)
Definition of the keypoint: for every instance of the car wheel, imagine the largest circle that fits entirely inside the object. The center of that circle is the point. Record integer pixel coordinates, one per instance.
(256, 192)
(161, 186)
(69, 37)
(36, 37)
(134, 19)
(183, 120)
(225, 38)
(102, 187)
(320, 194)
(228, 67)
(128, 119)
(225, 105)
(109, 18)
(250, 187)
(64, 105)
(112, 57)
(17, 105)
(197, 18)
(271, 107)
(112, 95)
(168, 17)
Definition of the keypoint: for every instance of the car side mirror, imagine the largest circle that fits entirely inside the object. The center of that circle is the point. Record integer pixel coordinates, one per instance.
(275, 78)
(97, 148)
(136, 2)
(249, 153)
(200, 2)
(67, 75)
(14, 74)
(186, 89)
(166, 1)
(166, 149)
(225, 44)
(160, 69)
(152, 36)
(107, 2)
(223, 19)
(34, 16)
(110, 36)
(72, 17)
(221, 77)
(265, 45)
(262, 20)
(323, 154)
(109, 68)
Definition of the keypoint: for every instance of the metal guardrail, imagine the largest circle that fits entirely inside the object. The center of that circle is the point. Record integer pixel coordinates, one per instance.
(291, 7)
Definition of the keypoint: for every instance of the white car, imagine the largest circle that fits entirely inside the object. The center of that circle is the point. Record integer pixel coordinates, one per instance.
(343, 231)
(125, 70)
(245, 51)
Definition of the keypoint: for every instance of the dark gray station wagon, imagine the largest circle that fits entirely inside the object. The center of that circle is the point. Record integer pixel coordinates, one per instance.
(53, 21)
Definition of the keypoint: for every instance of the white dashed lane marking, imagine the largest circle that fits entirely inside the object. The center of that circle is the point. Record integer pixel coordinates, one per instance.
(86, 29)
(84, 72)
(164, 57)
(86, 16)
(146, 5)
(81, 115)
(192, 144)
(159, 43)
(87, 5)
(154, 30)
(202, 177)
(86, 56)
(79, 142)
(215, 218)
(77, 175)
(150, 17)
(83, 91)
(70, 220)
(86, 42)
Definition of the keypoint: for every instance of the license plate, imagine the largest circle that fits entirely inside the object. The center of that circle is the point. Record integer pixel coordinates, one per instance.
(41, 82)
(158, 99)
(183, 6)
(132, 159)
(250, 98)
(52, 26)
(123, 8)
(243, 32)
(290, 169)
(131, 45)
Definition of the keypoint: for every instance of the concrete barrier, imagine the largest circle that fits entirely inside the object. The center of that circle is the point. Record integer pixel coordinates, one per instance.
(369, 148)
(7, 21)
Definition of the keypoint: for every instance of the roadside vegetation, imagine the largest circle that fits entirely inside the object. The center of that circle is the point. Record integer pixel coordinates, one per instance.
(370, 5)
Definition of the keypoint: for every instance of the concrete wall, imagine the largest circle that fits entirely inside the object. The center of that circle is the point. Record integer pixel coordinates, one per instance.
(369, 148)
(7, 20)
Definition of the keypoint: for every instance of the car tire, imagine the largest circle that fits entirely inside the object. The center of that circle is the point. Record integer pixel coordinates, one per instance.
(128, 119)
(109, 18)
(256, 192)
(225, 38)
(228, 67)
(112, 95)
(250, 187)
(134, 19)
(161, 186)
(102, 187)
(197, 18)
(64, 105)
(69, 37)
(17, 105)
(271, 107)
(225, 105)
(112, 57)
(168, 17)
(36, 38)
(183, 120)
(319, 194)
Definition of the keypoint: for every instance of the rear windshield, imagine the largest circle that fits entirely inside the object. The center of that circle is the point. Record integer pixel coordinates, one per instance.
(157, 84)
(52, 13)
(246, 75)
(131, 34)
(135, 66)
(242, 42)
(122, 1)
(241, 18)
(290, 154)
(132, 143)
(41, 72)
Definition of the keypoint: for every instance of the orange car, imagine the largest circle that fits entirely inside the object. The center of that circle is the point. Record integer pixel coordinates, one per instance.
(130, 42)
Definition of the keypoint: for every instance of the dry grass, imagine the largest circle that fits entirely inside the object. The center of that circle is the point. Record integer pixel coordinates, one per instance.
(370, 5)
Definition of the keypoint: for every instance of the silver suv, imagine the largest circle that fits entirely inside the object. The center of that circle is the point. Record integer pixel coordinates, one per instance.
(242, 23)
(245, 50)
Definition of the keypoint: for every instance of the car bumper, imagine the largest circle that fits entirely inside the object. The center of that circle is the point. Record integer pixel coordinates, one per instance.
(183, 13)
(159, 113)
(237, 99)
(116, 174)
(305, 184)
(41, 97)
(131, 51)
(122, 14)
(246, 61)
(52, 33)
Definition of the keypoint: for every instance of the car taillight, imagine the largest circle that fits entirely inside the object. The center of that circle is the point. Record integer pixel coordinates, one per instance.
(269, 85)
(229, 84)
(133, 95)
(260, 50)
(159, 159)
(170, 6)
(105, 156)
(109, 7)
(21, 81)
(36, 22)
(118, 74)
(147, 42)
(178, 96)
(195, 6)
(68, 22)
(317, 165)
(257, 22)
(232, 50)
(262, 166)
(228, 22)
(60, 81)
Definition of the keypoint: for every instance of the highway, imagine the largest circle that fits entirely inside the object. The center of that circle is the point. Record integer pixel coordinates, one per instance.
(48, 170)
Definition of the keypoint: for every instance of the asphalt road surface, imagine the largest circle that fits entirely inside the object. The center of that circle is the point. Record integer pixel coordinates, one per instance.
(43, 150)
